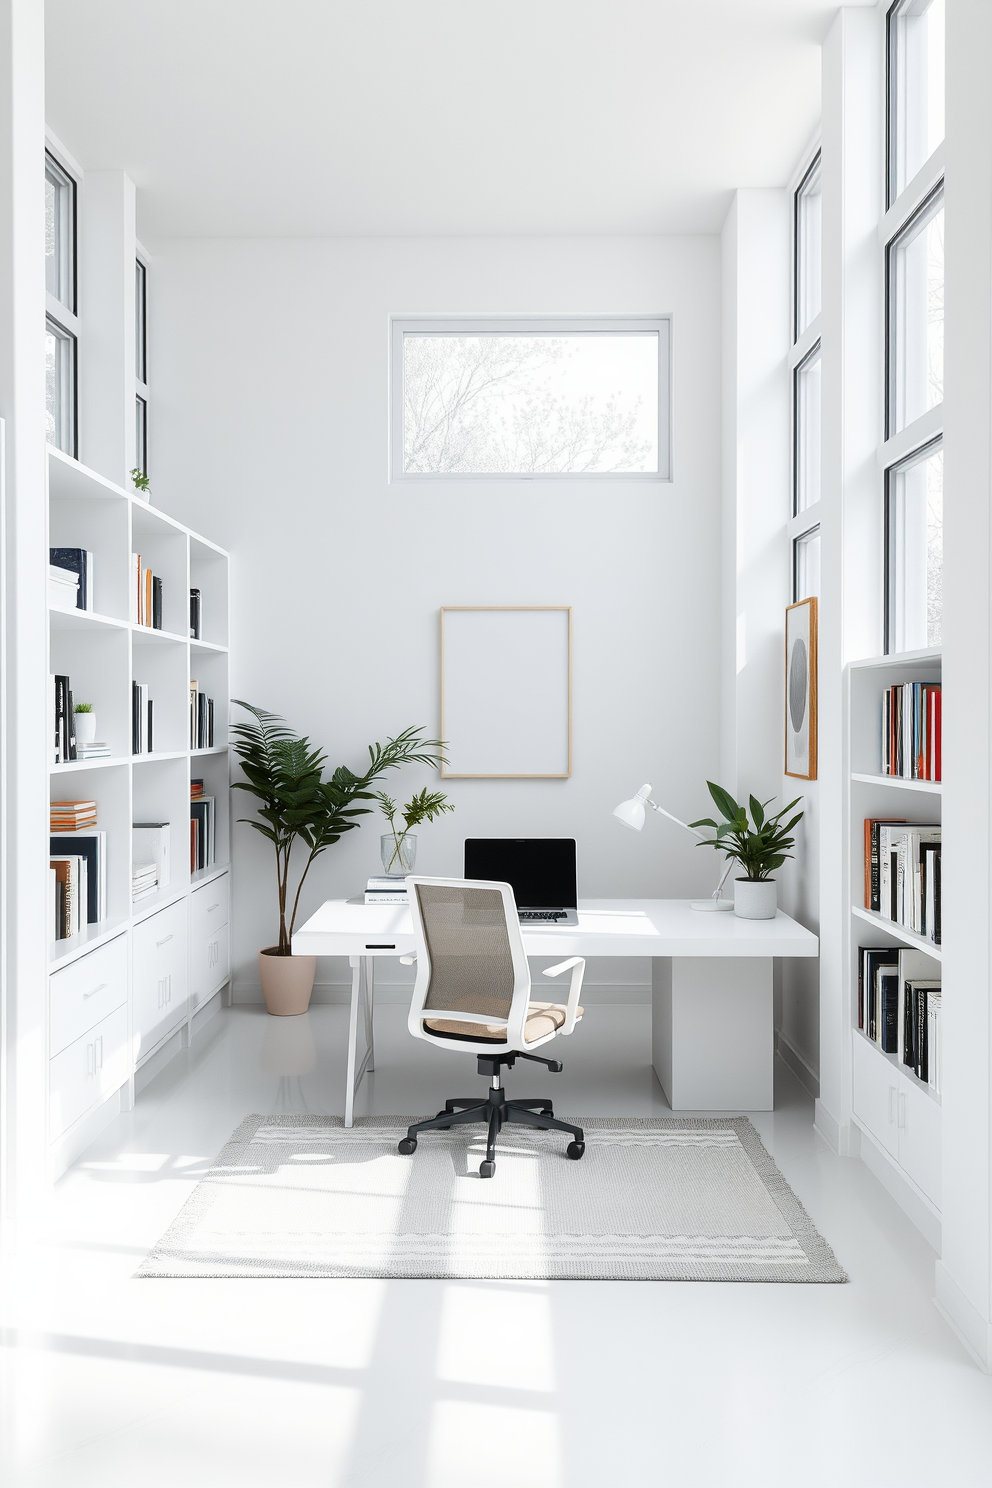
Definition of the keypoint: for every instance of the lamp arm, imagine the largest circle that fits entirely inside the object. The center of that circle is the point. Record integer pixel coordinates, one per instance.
(661, 810)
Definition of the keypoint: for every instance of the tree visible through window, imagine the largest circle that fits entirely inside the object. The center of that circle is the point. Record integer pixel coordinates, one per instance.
(498, 403)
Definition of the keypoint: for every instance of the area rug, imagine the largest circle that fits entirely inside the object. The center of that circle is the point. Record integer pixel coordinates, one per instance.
(652, 1199)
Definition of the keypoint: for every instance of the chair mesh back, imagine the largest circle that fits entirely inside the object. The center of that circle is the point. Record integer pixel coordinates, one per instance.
(469, 950)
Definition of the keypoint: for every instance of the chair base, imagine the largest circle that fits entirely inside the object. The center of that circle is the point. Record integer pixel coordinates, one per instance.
(496, 1111)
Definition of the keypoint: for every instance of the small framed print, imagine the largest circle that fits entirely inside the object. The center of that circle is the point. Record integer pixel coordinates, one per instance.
(800, 689)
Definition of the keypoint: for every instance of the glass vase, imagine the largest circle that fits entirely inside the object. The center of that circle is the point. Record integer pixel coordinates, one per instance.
(399, 854)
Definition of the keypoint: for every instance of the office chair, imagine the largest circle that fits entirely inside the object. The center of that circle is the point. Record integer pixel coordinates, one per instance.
(472, 993)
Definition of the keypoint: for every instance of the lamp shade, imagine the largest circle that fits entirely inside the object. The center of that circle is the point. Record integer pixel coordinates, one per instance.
(631, 812)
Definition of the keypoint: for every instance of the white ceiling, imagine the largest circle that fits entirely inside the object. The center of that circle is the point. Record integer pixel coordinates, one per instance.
(316, 117)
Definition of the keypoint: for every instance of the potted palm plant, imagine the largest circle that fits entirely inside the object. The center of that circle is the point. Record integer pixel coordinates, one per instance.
(760, 846)
(299, 806)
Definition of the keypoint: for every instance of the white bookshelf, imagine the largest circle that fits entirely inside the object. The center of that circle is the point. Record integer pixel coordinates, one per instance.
(897, 1114)
(128, 988)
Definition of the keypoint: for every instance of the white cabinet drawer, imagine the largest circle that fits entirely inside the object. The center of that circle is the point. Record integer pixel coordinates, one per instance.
(210, 964)
(159, 975)
(88, 1070)
(876, 1090)
(919, 1140)
(209, 908)
(82, 994)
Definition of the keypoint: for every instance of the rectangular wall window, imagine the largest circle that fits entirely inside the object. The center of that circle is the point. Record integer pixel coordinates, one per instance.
(806, 565)
(534, 399)
(140, 342)
(141, 435)
(914, 514)
(60, 233)
(806, 435)
(60, 387)
(915, 88)
(915, 315)
(808, 234)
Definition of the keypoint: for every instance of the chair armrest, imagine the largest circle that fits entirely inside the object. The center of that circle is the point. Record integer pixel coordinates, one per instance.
(408, 960)
(577, 966)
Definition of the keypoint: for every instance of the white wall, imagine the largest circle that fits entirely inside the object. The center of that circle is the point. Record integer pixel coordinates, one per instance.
(269, 364)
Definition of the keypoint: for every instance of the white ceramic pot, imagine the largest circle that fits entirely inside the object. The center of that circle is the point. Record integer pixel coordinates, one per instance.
(755, 899)
(85, 726)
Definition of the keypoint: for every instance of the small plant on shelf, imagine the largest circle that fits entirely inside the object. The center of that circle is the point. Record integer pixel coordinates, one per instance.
(82, 708)
(760, 845)
(139, 481)
(398, 855)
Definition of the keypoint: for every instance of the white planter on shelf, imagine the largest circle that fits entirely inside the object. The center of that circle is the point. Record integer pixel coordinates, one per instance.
(85, 727)
(755, 899)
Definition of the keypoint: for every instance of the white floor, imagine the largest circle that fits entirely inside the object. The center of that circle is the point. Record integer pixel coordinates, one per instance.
(371, 1384)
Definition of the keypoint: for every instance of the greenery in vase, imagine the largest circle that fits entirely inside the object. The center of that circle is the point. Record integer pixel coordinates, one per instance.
(760, 845)
(423, 807)
(82, 708)
(139, 480)
(298, 804)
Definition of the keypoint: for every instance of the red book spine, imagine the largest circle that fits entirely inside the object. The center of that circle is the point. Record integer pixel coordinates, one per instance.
(938, 715)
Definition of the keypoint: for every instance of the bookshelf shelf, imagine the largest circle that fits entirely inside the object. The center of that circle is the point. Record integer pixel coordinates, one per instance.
(159, 940)
(895, 782)
(913, 659)
(898, 932)
(895, 1063)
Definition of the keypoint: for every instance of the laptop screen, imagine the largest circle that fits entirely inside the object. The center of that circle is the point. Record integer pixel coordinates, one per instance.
(540, 870)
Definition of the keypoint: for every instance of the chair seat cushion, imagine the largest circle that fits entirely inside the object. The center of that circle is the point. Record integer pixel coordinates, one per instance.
(542, 1018)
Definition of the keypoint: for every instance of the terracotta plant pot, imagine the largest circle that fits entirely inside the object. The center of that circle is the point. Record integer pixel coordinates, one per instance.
(287, 981)
(755, 899)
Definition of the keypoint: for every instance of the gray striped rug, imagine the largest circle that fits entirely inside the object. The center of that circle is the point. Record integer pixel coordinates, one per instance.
(652, 1199)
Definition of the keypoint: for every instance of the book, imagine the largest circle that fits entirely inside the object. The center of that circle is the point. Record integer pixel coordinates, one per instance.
(202, 849)
(871, 960)
(201, 718)
(136, 597)
(63, 589)
(194, 614)
(195, 788)
(380, 881)
(92, 846)
(887, 1008)
(872, 856)
(140, 718)
(151, 842)
(72, 872)
(933, 1039)
(156, 602)
(94, 750)
(69, 816)
(62, 718)
(78, 562)
(911, 730)
(383, 896)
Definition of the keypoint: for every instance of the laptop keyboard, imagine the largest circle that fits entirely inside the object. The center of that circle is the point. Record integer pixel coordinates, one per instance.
(543, 914)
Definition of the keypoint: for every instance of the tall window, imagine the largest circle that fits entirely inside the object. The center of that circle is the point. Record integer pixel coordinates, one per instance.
(140, 367)
(914, 326)
(805, 367)
(61, 325)
(533, 399)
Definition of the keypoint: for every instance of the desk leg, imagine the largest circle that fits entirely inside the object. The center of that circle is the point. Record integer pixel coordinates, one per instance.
(361, 979)
(712, 1034)
(369, 994)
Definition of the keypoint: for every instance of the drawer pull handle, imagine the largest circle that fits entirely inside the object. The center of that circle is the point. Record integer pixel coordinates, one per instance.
(95, 990)
(902, 1111)
(163, 942)
(98, 1048)
(212, 907)
(892, 1101)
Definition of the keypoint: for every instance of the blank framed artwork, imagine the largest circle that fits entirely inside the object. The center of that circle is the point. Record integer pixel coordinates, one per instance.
(506, 692)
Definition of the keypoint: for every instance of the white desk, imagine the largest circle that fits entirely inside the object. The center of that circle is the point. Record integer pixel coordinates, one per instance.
(712, 1038)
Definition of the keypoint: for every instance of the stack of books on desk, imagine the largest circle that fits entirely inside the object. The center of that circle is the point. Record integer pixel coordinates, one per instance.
(386, 888)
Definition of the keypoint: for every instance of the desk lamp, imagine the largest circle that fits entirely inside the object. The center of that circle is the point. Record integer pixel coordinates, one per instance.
(631, 813)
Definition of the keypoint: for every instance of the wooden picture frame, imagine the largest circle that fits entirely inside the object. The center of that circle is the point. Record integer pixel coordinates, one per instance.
(800, 689)
(506, 692)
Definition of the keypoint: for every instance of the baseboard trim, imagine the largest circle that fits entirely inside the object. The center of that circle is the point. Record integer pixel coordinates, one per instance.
(803, 1071)
(339, 994)
(892, 1178)
(828, 1127)
(972, 1330)
(69, 1148)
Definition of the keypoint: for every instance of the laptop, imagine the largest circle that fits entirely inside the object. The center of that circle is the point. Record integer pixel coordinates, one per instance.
(540, 870)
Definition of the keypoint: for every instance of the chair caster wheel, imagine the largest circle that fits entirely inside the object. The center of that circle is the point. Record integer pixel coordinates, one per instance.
(547, 1111)
(556, 1066)
(574, 1150)
(487, 1169)
(407, 1146)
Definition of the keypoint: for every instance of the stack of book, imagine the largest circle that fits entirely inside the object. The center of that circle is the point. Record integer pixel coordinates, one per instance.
(386, 888)
(72, 816)
(194, 614)
(150, 843)
(144, 881)
(911, 717)
(94, 750)
(146, 595)
(201, 718)
(142, 719)
(78, 861)
(77, 565)
(900, 1011)
(920, 1048)
(61, 719)
(202, 828)
(63, 589)
(902, 873)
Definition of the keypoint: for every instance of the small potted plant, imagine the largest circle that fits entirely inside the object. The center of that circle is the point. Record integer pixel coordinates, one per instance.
(141, 484)
(85, 722)
(398, 846)
(299, 807)
(760, 846)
